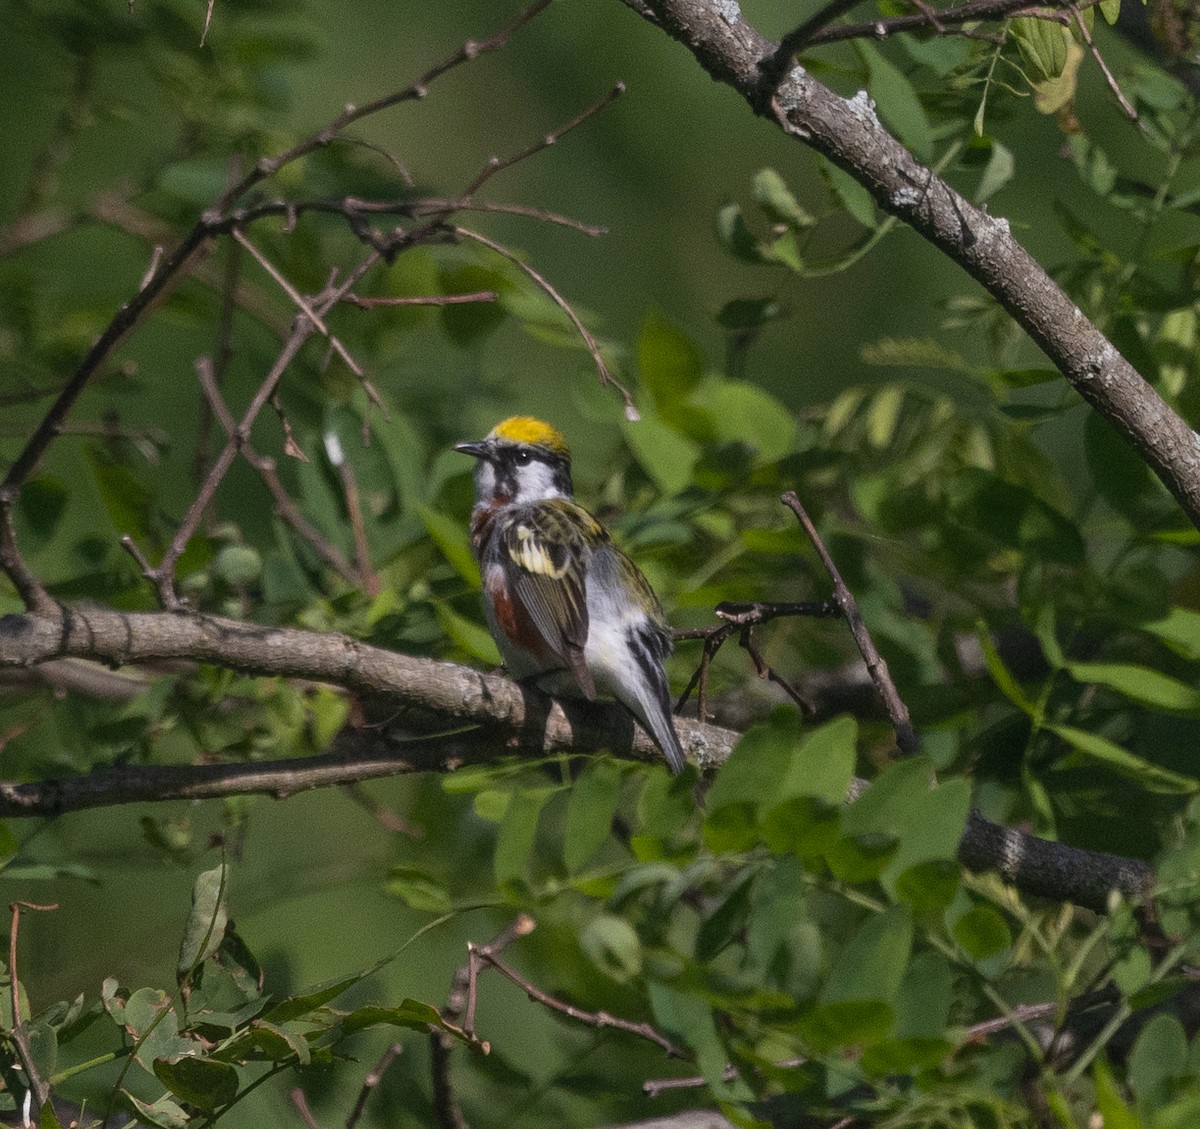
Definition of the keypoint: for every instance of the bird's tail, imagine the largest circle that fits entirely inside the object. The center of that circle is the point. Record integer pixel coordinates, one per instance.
(649, 700)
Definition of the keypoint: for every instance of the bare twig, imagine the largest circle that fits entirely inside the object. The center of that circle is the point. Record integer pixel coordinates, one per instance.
(362, 552)
(306, 1114)
(460, 1009)
(469, 50)
(897, 711)
(954, 16)
(219, 365)
(606, 377)
(1109, 77)
(498, 164)
(423, 300)
(163, 576)
(598, 1019)
(299, 300)
(38, 1087)
(741, 618)
(371, 1082)
(194, 246)
(285, 507)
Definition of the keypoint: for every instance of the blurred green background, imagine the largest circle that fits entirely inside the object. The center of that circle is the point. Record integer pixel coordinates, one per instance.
(654, 168)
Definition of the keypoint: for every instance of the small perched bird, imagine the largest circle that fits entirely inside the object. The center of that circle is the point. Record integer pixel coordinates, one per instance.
(568, 609)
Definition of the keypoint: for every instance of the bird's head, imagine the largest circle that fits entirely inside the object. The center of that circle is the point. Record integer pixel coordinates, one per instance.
(521, 460)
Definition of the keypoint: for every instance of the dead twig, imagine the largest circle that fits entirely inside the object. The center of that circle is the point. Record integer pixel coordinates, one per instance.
(606, 377)
(371, 1082)
(460, 1010)
(597, 1019)
(741, 618)
(897, 711)
(37, 1087)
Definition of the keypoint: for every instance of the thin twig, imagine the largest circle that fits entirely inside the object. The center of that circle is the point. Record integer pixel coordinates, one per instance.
(1109, 77)
(423, 300)
(459, 1004)
(598, 1019)
(780, 62)
(285, 507)
(194, 246)
(306, 1114)
(38, 1087)
(741, 617)
(606, 377)
(362, 551)
(371, 1082)
(299, 300)
(499, 164)
(975, 10)
(469, 50)
(220, 363)
(897, 711)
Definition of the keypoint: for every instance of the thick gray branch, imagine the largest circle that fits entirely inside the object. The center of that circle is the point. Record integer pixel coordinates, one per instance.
(849, 133)
(439, 716)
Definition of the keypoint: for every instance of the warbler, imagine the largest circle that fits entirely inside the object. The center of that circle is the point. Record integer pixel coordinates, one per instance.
(570, 612)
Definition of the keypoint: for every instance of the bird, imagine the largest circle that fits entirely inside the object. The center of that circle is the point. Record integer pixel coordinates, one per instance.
(570, 613)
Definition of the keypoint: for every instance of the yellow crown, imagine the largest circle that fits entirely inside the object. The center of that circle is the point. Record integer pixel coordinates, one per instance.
(526, 429)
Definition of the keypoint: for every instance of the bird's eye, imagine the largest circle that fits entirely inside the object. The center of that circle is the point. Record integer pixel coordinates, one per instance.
(523, 458)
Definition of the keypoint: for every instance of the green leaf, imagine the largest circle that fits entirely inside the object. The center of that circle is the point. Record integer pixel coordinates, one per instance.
(736, 237)
(414, 1014)
(852, 195)
(1140, 684)
(725, 921)
(298, 1007)
(127, 501)
(1158, 1057)
(1116, 1114)
(612, 944)
(998, 171)
(669, 363)
(201, 1082)
(475, 640)
(665, 455)
(163, 1113)
(206, 923)
(417, 890)
(41, 504)
(1043, 43)
(468, 323)
(1004, 681)
(454, 540)
(846, 1023)
(1150, 775)
(744, 413)
(238, 565)
(590, 810)
(517, 833)
(897, 101)
(1052, 94)
(1180, 630)
(749, 313)
(870, 966)
(1110, 10)
(982, 932)
(925, 996)
(773, 196)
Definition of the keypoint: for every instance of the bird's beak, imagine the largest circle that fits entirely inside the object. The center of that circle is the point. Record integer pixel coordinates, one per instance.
(480, 450)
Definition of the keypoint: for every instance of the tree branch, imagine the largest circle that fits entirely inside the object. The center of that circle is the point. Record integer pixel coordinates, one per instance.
(442, 716)
(849, 134)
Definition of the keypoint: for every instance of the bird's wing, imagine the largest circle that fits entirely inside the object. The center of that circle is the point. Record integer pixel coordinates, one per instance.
(545, 553)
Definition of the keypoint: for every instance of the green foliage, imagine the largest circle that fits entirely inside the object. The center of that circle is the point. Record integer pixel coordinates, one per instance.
(1028, 580)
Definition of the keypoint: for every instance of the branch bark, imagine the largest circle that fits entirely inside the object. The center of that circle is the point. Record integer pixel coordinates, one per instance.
(849, 134)
(440, 716)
